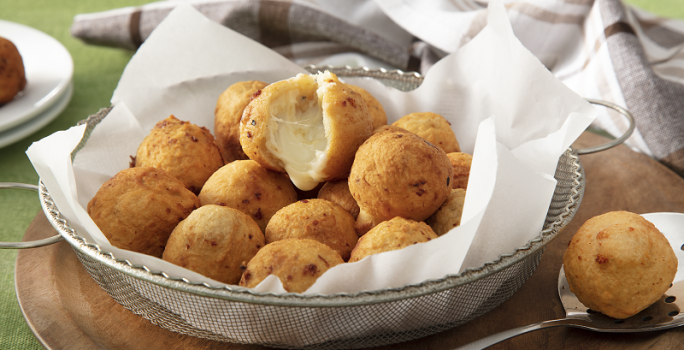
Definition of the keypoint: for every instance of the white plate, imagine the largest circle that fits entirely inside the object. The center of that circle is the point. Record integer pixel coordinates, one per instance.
(672, 226)
(49, 69)
(19, 132)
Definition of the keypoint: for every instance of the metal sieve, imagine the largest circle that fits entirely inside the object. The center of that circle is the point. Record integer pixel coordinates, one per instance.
(339, 321)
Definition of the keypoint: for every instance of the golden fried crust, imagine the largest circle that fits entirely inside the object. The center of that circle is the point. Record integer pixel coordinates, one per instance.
(350, 126)
(394, 234)
(317, 219)
(397, 173)
(619, 263)
(309, 126)
(250, 188)
(12, 73)
(138, 208)
(215, 241)
(296, 262)
(254, 130)
(338, 192)
(229, 108)
(449, 214)
(461, 163)
(185, 150)
(432, 127)
(377, 112)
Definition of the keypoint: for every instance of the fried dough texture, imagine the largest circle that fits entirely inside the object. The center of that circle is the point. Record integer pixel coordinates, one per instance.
(432, 127)
(215, 241)
(229, 107)
(618, 263)
(12, 72)
(338, 193)
(377, 112)
(449, 214)
(394, 234)
(397, 173)
(309, 126)
(317, 219)
(250, 188)
(138, 208)
(296, 262)
(186, 151)
(461, 163)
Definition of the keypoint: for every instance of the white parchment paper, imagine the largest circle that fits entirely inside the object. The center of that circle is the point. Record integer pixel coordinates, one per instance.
(506, 109)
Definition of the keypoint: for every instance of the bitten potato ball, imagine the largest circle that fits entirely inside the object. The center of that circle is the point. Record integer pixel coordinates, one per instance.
(227, 114)
(377, 112)
(296, 262)
(449, 214)
(215, 241)
(138, 208)
(461, 163)
(12, 73)
(309, 126)
(185, 150)
(317, 219)
(397, 173)
(619, 263)
(432, 127)
(250, 188)
(394, 234)
(338, 193)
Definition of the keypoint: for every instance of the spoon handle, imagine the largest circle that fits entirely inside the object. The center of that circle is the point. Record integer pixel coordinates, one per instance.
(514, 332)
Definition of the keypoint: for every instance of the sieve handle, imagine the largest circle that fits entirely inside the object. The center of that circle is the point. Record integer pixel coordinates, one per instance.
(32, 244)
(514, 332)
(619, 140)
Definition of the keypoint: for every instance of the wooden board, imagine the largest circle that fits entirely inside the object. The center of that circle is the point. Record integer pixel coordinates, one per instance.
(66, 309)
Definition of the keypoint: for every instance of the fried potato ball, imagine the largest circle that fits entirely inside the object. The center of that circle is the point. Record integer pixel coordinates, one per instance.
(138, 208)
(296, 262)
(227, 114)
(394, 234)
(338, 192)
(432, 127)
(397, 173)
(185, 150)
(12, 73)
(449, 214)
(461, 163)
(250, 188)
(619, 263)
(309, 126)
(215, 241)
(317, 219)
(377, 112)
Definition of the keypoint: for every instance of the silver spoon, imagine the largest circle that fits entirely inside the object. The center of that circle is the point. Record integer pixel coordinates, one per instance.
(665, 313)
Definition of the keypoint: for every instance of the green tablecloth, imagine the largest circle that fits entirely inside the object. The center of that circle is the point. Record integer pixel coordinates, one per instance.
(96, 73)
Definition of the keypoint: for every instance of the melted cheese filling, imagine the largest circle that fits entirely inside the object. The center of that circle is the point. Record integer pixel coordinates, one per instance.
(297, 133)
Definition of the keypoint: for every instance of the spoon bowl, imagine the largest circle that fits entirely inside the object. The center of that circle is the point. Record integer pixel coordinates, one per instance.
(663, 314)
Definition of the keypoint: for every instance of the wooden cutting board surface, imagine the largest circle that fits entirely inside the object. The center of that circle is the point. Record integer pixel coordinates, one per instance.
(66, 309)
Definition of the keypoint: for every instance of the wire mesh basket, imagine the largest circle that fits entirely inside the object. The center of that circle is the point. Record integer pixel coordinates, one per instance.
(338, 321)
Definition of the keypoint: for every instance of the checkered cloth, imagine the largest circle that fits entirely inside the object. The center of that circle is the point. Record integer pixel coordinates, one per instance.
(601, 49)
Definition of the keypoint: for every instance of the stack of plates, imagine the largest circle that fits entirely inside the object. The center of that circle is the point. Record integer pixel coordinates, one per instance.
(49, 70)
